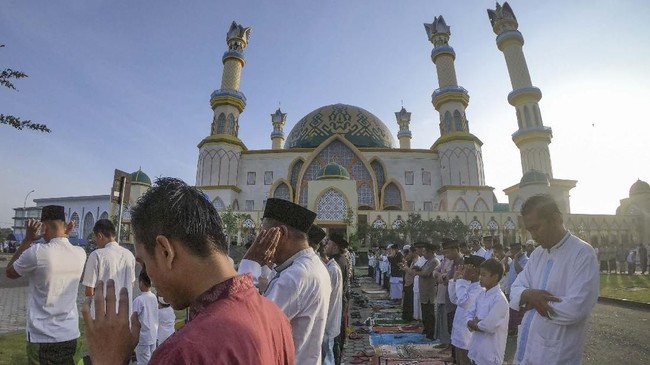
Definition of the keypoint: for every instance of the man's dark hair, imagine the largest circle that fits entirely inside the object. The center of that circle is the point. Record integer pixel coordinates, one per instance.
(498, 246)
(494, 267)
(144, 278)
(545, 206)
(105, 227)
(181, 212)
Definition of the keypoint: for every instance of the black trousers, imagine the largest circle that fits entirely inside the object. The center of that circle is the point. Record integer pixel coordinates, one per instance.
(386, 281)
(407, 303)
(429, 319)
(371, 271)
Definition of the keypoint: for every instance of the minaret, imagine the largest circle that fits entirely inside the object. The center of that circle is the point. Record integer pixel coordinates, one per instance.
(532, 138)
(277, 136)
(219, 153)
(461, 161)
(404, 135)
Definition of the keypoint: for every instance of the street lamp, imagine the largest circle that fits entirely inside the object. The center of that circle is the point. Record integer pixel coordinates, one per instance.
(25, 211)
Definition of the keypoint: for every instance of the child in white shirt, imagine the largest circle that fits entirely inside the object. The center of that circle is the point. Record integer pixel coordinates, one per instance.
(489, 318)
(166, 321)
(463, 289)
(146, 308)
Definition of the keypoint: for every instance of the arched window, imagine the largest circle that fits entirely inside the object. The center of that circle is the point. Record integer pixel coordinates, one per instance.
(365, 195)
(331, 206)
(75, 231)
(104, 215)
(480, 206)
(458, 121)
(221, 123)
(89, 222)
(230, 126)
(448, 122)
(378, 169)
(529, 123)
(392, 197)
(460, 206)
(295, 170)
(282, 192)
(219, 204)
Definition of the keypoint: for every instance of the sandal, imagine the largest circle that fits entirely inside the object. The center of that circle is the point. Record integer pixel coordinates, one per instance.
(354, 336)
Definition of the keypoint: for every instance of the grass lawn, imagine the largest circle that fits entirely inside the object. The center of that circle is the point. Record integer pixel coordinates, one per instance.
(12, 346)
(631, 287)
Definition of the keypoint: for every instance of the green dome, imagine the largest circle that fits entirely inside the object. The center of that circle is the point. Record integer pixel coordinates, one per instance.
(333, 171)
(534, 177)
(357, 125)
(140, 177)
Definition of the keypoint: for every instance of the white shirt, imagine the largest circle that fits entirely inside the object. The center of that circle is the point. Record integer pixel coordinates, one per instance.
(488, 345)
(371, 260)
(335, 309)
(166, 322)
(569, 271)
(488, 254)
(416, 280)
(480, 252)
(111, 262)
(146, 305)
(384, 266)
(53, 270)
(462, 293)
(302, 289)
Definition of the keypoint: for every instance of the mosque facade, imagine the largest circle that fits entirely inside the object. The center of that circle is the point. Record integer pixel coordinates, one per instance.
(342, 162)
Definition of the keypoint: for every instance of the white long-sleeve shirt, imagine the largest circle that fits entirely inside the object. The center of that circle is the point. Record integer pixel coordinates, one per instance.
(335, 311)
(416, 280)
(301, 289)
(569, 271)
(463, 293)
(488, 345)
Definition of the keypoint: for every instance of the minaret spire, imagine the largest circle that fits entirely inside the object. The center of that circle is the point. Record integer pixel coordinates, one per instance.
(277, 136)
(228, 102)
(532, 137)
(404, 135)
(461, 159)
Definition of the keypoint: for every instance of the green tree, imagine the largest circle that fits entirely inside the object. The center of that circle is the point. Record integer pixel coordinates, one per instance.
(7, 76)
(232, 222)
(4, 233)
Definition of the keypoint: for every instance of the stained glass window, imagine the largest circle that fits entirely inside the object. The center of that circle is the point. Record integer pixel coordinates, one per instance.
(248, 223)
(332, 206)
(475, 225)
(379, 173)
(493, 226)
(379, 223)
(89, 222)
(365, 195)
(218, 204)
(75, 231)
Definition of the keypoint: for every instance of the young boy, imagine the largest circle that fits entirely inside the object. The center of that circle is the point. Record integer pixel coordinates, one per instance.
(166, 321)
(146, 307)
(464, 288)
(489, 318)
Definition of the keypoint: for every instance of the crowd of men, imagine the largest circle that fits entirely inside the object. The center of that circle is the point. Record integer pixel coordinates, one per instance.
(288, 302)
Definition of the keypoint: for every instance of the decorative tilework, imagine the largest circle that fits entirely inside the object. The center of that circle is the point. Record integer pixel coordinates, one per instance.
(392, 196)
(331, 206)
(358, 126)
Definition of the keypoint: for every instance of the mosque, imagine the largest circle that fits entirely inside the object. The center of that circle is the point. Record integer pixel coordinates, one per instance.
(343, 162)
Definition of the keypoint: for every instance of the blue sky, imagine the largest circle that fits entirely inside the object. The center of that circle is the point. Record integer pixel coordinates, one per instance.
(126, 84)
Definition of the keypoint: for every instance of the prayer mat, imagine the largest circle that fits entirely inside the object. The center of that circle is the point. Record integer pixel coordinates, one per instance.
(389, 321)
(373, 291)
(397, 329)
(413, 362)
(413, 351)
(398, 339)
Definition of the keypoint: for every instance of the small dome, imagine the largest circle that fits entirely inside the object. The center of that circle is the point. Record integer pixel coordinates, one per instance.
(140, 177)
(357, 125)
(639, 187)
(333, 171)
(534, 177)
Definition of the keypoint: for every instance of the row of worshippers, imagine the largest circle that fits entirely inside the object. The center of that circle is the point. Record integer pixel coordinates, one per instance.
(385, 264)
(54, 270)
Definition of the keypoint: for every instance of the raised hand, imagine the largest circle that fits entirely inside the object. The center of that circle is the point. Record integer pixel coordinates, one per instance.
(539, 299)
(109, 337)
(32, 229)
(263, 248)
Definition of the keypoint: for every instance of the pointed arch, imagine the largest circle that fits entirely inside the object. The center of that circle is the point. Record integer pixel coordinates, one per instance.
(341, 151)
(480, 206)
(294, 174)
(379, 170)
(281, 190)
(331, 205)
(392, 196)
(89, 222)
(221, 123)
(365, 196)
(219, 204)
(516, 206)
(458, 121)
(235, 205)
(230, 124)
(104, 215)
(448, 122)
(460, 205)
(75, 217)
(442, 207)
